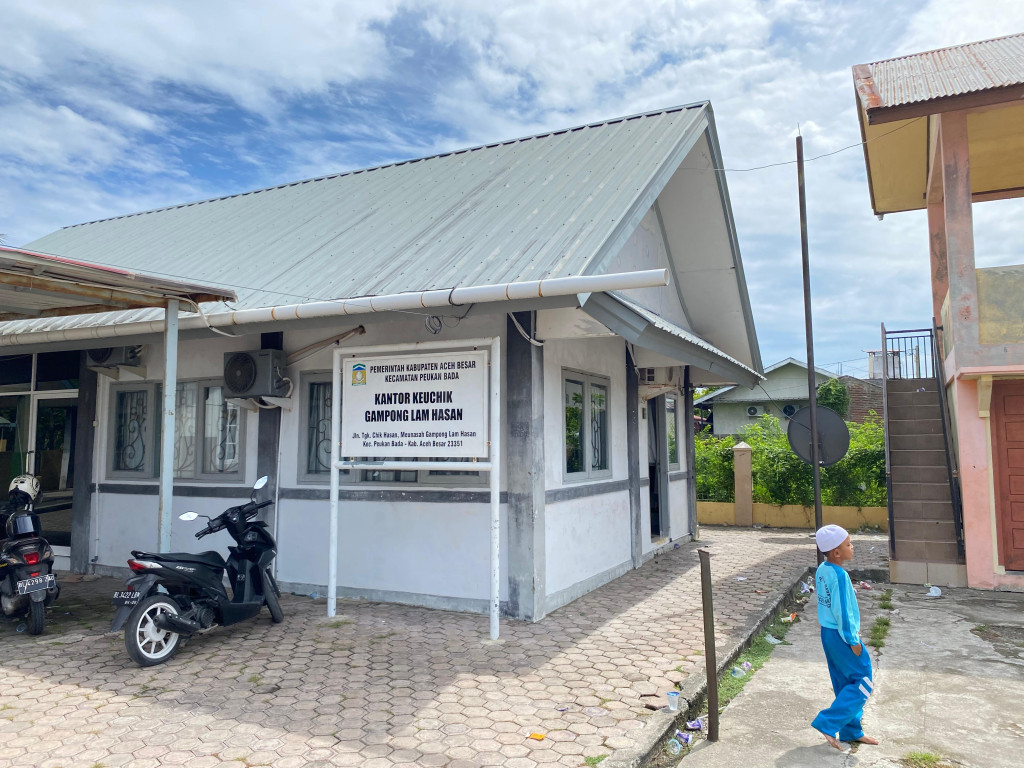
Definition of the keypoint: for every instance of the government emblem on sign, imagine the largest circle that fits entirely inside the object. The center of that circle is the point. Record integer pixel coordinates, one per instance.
(358, 375)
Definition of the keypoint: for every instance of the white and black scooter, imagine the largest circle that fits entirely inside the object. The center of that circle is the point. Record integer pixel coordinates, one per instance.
(27, 582)
(171, 596)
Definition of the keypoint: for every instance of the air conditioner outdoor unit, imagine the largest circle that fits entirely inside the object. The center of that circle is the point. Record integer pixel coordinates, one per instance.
(655, 376)
(111, 357)
(789, 410)
(259, 373)
(755, 410)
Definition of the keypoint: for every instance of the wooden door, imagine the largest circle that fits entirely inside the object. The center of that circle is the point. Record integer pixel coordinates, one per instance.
(1008, 457)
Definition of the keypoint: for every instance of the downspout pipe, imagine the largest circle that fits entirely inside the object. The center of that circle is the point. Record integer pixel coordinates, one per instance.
(416, 300)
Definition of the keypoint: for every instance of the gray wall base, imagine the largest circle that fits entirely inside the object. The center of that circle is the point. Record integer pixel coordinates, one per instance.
(437, 602)
(565, 596)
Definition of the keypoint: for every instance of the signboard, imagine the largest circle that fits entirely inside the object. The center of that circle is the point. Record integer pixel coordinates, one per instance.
(419, 405)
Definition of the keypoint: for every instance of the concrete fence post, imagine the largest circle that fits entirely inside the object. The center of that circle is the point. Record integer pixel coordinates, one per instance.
(743, 484)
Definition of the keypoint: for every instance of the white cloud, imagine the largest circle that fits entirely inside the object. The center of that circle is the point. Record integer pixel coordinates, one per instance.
(107, 108)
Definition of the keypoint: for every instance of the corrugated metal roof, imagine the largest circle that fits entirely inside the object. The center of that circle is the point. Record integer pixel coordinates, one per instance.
(954, 71)
(525, 209)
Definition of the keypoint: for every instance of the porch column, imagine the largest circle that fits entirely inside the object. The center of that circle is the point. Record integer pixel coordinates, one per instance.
(269, 439)
(167, 427)
(691, 455)
(959, 227)
(524, 382)
(85, 444)
(633, 459)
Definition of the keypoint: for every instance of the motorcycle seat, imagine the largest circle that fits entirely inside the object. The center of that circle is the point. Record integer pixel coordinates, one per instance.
(211, 559)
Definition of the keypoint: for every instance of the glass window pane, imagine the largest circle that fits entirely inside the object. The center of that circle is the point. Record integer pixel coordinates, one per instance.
(670, 428)
(130, 431)
(221, 449)
(13, 437)
(573, 426)
(16, 373)
(57, 370)
(390, 475)
(185, 401)
(318, 429)
(598, 427)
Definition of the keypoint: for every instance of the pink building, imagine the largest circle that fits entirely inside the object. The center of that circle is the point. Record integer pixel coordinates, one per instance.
(944, 130)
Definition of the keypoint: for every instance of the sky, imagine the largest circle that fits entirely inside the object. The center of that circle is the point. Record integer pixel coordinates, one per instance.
(109, 108)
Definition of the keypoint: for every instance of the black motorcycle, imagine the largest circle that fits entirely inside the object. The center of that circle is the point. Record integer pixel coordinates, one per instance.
(27, 582)
(172, 596)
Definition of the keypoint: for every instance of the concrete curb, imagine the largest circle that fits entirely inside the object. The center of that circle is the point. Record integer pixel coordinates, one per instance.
(663, 723)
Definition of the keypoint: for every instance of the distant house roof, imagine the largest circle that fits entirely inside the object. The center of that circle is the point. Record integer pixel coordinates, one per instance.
(738, 395)
(556, 204)
(895, 98)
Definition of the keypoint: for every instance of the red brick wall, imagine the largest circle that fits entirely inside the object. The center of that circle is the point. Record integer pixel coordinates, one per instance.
(865, 396)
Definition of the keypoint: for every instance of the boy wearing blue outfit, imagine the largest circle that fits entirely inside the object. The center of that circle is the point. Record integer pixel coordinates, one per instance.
(849, 664)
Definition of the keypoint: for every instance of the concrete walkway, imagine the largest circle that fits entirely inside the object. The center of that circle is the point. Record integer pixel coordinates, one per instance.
(949, 681)
(385, 685)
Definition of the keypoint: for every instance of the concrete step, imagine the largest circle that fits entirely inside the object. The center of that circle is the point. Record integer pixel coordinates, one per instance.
(920, 492)
(903, 399)
(927, 551)
(914, 427)
(910, 385)
(915, 411)
(920, 474)
(941, 531)
(934, 458)
(931, 442)
(915, 509)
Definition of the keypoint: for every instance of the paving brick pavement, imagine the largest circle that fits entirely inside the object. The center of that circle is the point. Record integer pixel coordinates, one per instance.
(384, 685)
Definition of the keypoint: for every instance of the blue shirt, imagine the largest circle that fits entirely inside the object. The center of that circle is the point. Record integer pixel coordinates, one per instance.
(837, 602)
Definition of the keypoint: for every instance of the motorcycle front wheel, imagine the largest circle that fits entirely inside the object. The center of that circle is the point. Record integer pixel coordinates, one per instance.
(36, 618)
(146, 643)
(270, 594)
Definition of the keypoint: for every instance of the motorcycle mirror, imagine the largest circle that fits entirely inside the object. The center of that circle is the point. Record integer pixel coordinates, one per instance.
(260, 483)
(188, 516)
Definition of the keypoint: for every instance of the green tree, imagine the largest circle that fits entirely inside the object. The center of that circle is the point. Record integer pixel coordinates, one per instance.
(712, 458)
(832, 394)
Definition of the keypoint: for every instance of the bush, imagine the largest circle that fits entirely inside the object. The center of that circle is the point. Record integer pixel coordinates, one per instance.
(833, 394)
(781, 477)
(713, 463)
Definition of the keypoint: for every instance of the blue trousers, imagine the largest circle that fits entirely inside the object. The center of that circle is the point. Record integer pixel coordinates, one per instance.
(851, 681)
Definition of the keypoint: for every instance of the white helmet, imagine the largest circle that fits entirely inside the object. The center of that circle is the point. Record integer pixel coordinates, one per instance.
(24, 488)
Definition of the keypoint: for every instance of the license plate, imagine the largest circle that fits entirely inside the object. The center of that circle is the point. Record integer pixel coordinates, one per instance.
(126, 597)
(36, 583)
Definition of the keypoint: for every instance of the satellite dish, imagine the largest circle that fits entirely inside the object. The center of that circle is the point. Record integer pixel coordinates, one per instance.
(833, 435)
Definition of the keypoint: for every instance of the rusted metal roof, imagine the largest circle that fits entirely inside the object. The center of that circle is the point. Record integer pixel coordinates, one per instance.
(945, 73)
(43, 285)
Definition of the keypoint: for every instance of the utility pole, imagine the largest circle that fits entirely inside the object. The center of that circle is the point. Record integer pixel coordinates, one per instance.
(811, 384)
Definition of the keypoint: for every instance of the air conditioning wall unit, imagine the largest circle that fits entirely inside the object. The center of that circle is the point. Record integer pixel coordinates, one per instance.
(753, 411)
(789, 409)
(112, 357)
(657, 376)
(257, 373)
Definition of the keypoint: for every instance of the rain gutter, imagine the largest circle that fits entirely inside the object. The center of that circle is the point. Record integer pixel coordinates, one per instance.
(416, 300)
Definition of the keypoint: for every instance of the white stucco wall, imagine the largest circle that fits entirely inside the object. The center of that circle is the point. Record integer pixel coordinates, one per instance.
(589, 535)
(394, 547)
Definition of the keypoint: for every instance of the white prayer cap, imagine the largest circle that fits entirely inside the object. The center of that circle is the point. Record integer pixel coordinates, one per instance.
(830, 536)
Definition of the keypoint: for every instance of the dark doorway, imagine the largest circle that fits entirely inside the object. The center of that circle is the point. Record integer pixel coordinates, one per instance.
(1008, 456)
(656, 463)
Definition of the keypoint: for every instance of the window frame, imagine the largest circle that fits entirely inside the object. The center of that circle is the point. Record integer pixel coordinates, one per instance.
(673, 413)
(589, 473)
(152, 438)
(149, 439)
(349, 477)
